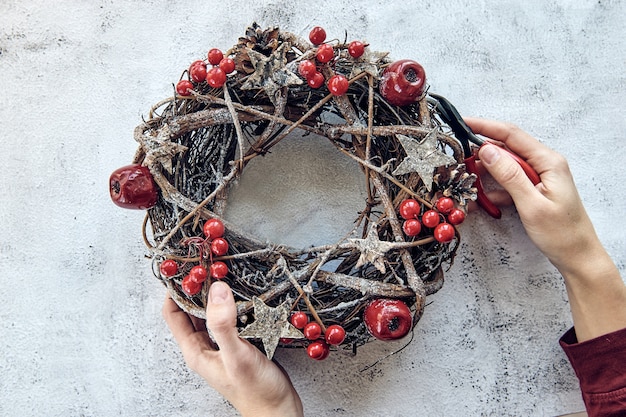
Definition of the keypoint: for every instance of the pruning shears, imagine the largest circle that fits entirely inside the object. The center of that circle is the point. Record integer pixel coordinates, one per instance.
(449, 115)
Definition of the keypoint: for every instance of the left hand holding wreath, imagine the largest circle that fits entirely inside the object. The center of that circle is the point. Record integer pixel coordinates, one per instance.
(253, 384)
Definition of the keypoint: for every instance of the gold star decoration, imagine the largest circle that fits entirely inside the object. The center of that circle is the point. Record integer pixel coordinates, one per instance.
(270, 325)
(422, 157)
(270, 72)
(159, 149)
(373, 250)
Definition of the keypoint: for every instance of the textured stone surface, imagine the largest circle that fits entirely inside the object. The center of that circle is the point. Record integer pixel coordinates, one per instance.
(81, 332)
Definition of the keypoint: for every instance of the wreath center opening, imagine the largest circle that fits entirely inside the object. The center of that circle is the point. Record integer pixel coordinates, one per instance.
(303, 192)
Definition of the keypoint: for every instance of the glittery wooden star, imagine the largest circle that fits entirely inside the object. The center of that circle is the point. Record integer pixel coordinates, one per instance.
(373, 250)
(270, 72)
(270, 324)
(422, 157)
(159, 148)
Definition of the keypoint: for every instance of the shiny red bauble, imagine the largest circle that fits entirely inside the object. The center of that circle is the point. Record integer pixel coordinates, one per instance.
(388, 319)
(409, 209)
(444, 233)
(403, 82)
(456, 216)
(317, 35)
(198, 274)
(325, 53)
(190, 287)
(219, 246)
(412, 227)
(218, 270)
(215, 56)
(213, 228)
(318, 350)
(338, 85)
(335, 334)
(299, 319)
(133, 187)
(312, 330)
(168, 268)
(184, 87)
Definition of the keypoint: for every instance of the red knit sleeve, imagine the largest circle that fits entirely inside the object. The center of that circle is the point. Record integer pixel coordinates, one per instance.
(600, 365)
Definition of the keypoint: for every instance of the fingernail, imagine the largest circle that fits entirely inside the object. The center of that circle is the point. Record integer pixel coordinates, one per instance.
(489, 154)
(218, 293)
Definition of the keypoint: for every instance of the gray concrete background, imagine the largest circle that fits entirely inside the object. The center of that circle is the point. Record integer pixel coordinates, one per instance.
(80, 327)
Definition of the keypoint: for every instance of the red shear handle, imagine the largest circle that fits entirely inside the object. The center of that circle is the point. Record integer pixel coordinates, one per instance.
(528, 170)
(481, 197)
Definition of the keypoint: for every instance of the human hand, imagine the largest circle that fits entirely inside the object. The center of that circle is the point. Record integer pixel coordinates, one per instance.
(556, 221)
(253, 384)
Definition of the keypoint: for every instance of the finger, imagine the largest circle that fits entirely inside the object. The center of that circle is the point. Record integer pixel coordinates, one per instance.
(507, 172)
(182, 328)
(221, 317)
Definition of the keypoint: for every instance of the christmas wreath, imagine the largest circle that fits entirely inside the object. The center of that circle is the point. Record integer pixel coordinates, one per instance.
(234, 107)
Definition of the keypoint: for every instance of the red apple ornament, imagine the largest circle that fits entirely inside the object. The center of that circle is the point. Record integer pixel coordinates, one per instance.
(403, 82)
(133, 187)
(388, 319)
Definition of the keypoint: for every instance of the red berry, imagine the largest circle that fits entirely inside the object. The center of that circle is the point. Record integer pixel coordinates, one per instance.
(456, 216)
(325, 53)
(215, 56)
(356, 49)
(444, 232)
(409, 209)
(299, 319)
(133, 187)
(430, 218)
(216, 77)
(227, 65)
(445, 205)
(316, 81)
(307, 68)
(219, 270)
(219, 246)
(402, 82)
(387, 319)
(312, 330)
(190, 287)
(317, 35)
(168, 268)
(335, 334)
(412, 227)
(338, 85)
(197, 71)
(184, 87)
(198, 274)
(318, 350)
(213, 228)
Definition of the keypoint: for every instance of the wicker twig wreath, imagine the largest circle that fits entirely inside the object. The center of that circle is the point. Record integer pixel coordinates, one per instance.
(198, 142)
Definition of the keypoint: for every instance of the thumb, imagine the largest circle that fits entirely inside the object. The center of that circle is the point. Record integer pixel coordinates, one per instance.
(221, 315)
(506, 171)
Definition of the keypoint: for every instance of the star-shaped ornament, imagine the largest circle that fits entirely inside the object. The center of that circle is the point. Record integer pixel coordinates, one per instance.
(270, 72)
(422, 157)
(270, 325)
(159, 148)
(373, 250)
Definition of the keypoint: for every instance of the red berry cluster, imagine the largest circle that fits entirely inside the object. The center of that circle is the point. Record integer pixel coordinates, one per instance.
(318, 348)
(199, 73)
(441, 218)
(218, 246)
(337, 84)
